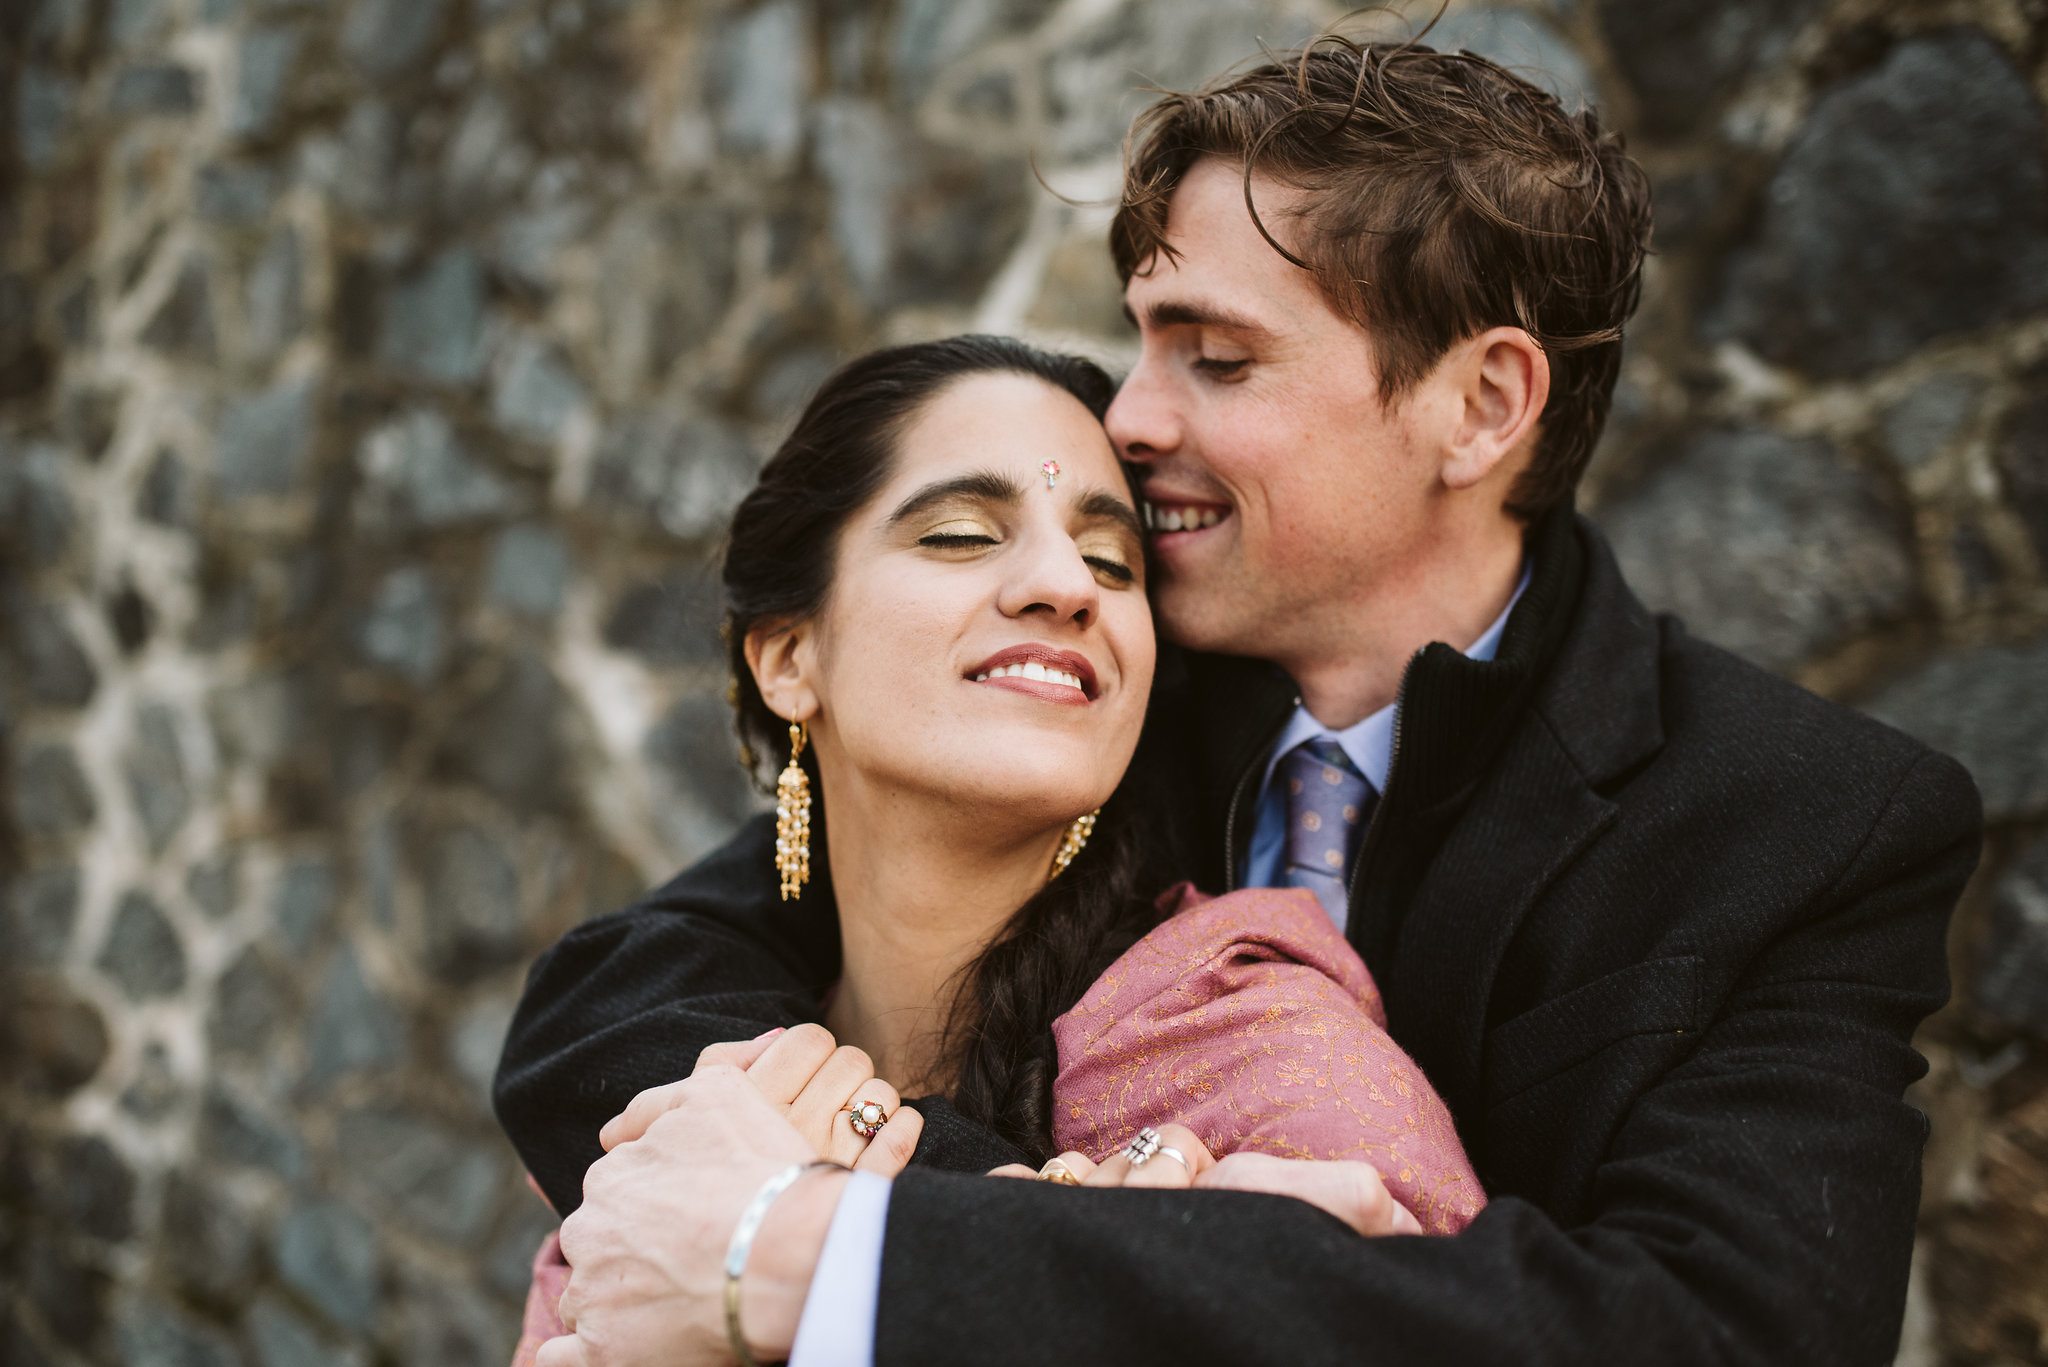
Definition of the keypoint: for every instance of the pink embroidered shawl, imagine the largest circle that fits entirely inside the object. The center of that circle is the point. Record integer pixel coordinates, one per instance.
(1250, 1020)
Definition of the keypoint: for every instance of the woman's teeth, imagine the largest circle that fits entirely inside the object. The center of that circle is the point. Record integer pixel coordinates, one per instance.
(1031, 670)
(1167, 518)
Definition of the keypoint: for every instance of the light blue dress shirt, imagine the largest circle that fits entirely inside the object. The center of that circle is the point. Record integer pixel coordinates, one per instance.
(838, 1324)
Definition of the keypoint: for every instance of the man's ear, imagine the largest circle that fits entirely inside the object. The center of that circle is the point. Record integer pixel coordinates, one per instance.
(1503, 379)
(778, 654)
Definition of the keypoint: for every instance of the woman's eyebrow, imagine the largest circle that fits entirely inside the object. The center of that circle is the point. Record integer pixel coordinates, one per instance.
(1100, 503)
(986, 486)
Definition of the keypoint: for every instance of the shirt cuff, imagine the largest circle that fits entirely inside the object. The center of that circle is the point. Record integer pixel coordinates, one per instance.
(838, 1324)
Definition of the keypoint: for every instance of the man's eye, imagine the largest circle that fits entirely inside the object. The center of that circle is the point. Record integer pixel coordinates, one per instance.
(945, 540)
(1116, 570)
(1220, 368)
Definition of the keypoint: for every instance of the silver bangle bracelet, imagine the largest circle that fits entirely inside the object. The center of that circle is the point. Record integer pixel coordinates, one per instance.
(743, 1243)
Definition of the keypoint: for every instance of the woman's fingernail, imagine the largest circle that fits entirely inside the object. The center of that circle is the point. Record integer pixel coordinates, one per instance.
(771, 1034)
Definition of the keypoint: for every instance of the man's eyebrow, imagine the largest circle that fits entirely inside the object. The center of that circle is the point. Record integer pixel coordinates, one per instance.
(1195, 313)
(985, 485)
(1103, 504)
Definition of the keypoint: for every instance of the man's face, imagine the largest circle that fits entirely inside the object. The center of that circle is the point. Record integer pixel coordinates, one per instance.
(1254, 410)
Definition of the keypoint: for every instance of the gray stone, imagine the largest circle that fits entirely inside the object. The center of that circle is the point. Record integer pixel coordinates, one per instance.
(377, 869)
(282, 1338)
(434, 327)
(263, 68)
(155, 766)
(44, 903)
(509, 743)
(264, 439)
(210, 1240)
(508, 1266)
(2011, 985)
(142, 952)
(416, 474)
(50, 793)
(235, 193)
(473, 916)
(55, 1039)
(1917, 427)
(420, 1173)
(68, 1293)
(233, 1130)
(153, 88)
(687, 473)
(1766, 544)
(670, 620)
(758, 71)
(1523, 44)
(666, 277)
(54, 665)
(535, 392)
(695, 749)
(42, 107)
(133, 24)
(2023, 464)
(1912, 204)
(451, 1325)
(250, 1006)
(154, 1092)
(305, 901)
(1683, 58)
(151, 1333)
(352, 1026)
(528, 244)
(210, 884)
(273, 295)
(402, 630)
(863, 167)
(132, 618)
(1987, 708)
(328, 1254)
(475, 1042)
(34, 499)
(385, 37)
(82, 1184)
(165, 496)
(930, 35)
(529, 570)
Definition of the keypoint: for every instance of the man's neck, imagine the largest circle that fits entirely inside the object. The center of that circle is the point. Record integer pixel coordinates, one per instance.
(922, 890)
(1353, 670)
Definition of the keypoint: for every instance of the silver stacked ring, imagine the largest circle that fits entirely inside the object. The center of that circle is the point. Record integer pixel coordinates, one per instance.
(1143, 1145)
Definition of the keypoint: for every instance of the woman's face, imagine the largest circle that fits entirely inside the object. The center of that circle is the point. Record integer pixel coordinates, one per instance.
(986, 638)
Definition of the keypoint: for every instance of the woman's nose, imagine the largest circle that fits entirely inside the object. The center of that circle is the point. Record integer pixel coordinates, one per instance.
(1052, 581)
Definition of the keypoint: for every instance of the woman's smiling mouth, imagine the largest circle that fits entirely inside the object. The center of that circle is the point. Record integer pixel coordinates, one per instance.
(1055, 675)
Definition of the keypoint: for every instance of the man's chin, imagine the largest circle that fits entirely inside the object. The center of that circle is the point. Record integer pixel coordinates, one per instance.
(1205, 617)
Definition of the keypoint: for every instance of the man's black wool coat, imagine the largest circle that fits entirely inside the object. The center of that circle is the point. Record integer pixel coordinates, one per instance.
(1658, 925)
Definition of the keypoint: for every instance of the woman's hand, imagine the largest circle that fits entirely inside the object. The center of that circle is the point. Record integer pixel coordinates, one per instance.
(1161, 1170)
(815, 1082)
(1353, 1192)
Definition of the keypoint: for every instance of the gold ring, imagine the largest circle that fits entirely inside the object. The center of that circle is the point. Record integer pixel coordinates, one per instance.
(867, 1118)
(1056, 1171)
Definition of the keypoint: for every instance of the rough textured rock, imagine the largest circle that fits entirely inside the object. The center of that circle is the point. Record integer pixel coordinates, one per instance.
(421, 1173)
(670, 620)
(1988, 709)
(509, 742)
(1768, 545)
(263, 440)
(1912, 204)
(472, 911)
(2023, 461)
(156, 775)
(352, 1025)
(143, 952)
(1683, 58)
(328, 1254)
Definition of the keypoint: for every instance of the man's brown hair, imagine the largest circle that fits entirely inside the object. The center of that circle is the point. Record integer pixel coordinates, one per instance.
(1443, 196)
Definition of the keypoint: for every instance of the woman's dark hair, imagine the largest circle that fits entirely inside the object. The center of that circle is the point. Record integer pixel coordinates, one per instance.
(779, 565)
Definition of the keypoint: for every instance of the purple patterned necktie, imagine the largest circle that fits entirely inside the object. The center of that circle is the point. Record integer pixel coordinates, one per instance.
(1328, 805)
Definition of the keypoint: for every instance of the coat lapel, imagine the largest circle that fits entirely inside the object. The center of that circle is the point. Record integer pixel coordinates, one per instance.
(1529, 820)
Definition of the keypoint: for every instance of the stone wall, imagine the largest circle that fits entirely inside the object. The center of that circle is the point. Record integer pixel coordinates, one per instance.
(375, 376)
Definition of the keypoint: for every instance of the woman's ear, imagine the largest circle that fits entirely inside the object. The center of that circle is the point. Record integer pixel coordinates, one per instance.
(1503, 376)
(779, 655)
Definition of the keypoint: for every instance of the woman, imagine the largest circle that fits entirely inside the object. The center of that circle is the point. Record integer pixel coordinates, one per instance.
(938, 619)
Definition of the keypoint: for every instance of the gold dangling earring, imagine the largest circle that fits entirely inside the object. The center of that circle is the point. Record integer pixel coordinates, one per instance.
(1075, 840)
(793, 819)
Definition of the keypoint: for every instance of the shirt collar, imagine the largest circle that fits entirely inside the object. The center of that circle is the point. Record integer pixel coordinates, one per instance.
(1370, 744)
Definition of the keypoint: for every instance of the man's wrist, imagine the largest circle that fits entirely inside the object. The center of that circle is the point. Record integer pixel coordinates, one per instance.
(784, 1258)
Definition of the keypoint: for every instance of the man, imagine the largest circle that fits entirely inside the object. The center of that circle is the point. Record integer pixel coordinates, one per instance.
(1657, 925)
